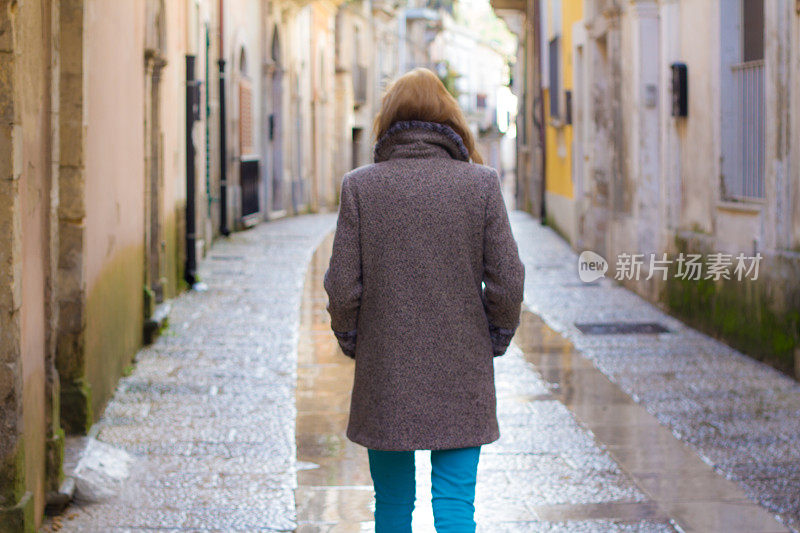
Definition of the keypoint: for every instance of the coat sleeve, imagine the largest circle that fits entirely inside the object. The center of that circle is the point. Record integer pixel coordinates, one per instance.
(503, 270)
(342, 279)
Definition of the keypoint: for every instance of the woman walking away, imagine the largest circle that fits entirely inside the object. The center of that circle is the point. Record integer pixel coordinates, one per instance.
(424, 285)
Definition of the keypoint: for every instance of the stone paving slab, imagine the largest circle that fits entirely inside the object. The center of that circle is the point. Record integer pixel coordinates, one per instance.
(739, 415)
(209, 409)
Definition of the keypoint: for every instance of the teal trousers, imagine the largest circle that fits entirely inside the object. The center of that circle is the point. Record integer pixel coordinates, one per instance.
(453, 474)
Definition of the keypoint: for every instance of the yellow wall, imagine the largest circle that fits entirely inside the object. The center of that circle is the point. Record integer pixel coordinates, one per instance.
(558, 141)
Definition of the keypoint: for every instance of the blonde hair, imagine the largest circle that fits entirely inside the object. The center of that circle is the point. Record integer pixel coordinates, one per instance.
(419, 94)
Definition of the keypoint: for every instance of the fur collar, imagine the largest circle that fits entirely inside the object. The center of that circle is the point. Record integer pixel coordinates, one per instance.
(409, 131)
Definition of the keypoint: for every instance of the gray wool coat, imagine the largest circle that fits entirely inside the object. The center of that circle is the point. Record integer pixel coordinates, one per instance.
(424, 287)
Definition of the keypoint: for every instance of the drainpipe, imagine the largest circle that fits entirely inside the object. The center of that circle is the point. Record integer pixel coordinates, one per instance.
(192, 112)
(206, 123)
(537, 28)
(223, 138)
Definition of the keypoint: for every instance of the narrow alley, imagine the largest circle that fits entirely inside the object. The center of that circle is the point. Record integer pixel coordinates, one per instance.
(235, 417)
(170, 177)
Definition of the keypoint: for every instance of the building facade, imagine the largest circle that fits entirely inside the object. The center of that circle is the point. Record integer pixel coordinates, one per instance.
(478, 51)
(356, 80)
(558, 72)
(523, 19)
(668, 129)
(95, 204)
(133, 135)
(688, 111)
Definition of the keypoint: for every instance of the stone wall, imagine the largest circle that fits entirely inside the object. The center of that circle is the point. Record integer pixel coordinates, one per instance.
(93, 188)
(32, 438)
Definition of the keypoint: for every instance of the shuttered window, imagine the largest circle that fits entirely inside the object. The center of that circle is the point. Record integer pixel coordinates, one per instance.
(246, 142)
(555, 86)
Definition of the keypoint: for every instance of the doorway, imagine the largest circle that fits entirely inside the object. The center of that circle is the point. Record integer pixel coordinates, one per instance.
(355, 156)
(276, 125)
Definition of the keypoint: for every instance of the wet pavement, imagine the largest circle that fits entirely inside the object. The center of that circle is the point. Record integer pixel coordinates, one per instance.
(739, 416)
(209, 409)
(575, 453)
(237, 415)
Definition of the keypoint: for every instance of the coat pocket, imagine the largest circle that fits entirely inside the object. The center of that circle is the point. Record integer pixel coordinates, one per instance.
(347, 342)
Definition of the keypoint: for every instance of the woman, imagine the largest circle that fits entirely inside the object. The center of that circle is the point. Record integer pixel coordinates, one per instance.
(419, 233)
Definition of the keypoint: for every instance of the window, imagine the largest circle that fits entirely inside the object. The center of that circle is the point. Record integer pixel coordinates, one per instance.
(555, 87)
(745, 174)
(358, 134)
(246, 144)
(752, 30)
(567, 107)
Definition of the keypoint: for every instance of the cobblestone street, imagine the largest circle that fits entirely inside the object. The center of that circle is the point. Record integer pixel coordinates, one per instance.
(236, 415)
(209, 409)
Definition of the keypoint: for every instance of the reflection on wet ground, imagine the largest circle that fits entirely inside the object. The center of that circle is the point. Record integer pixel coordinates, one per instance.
(737, 414)
(334, 486)
(674, 478)
(575, 453)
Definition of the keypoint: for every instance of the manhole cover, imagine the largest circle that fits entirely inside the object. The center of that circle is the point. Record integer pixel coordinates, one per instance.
(620, 328)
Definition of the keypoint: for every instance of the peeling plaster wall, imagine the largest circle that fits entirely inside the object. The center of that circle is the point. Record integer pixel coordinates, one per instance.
(698, 40)
(606, 133)
(655, 182)
(777, 37)
(114, 42)
(647, 193)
